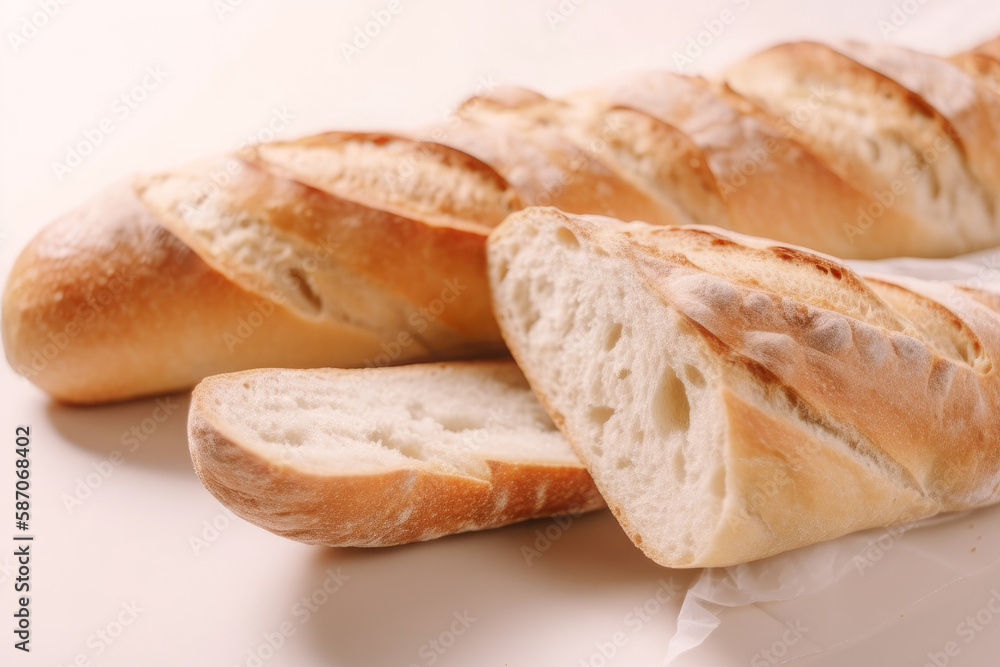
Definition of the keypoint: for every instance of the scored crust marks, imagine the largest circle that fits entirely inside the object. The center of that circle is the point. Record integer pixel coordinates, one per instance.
(435, 182)
(689, 366)
(834, 288)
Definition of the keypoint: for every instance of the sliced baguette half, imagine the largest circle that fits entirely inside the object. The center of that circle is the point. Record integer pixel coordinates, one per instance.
(735, 397)
(383, 456)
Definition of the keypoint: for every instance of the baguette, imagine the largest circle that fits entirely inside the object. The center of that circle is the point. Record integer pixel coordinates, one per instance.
(164, 280)
(367, 249)
(379, 457)
(734, 397)
(916, 135)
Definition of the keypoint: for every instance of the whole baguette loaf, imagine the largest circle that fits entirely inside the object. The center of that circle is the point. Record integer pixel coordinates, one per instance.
(734, 397)
(378, 457)
(367, 249)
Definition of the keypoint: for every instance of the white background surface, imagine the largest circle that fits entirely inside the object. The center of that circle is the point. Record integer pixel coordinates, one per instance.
(130, 542)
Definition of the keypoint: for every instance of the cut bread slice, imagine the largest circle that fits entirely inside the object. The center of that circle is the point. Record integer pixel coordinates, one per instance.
(734, 397)
(383, 456)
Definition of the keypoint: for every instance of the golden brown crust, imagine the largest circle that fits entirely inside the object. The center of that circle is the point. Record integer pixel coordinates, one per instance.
(985, 67)
(400, 222)
(397, 175)
(769, 182)
(399, 505)
(944, 368)
(982, 62)
(547, 168)
(106, 304)
(400, 260)
(910, 133)
(990, 47)
(796, 489)
(845, 402)
(968, 107)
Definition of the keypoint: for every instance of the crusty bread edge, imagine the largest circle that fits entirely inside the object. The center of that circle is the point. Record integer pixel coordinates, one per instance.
(396, 506)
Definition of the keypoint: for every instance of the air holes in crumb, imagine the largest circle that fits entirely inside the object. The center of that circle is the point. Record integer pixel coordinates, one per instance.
(293, 436)
(416, 410)
(531, 319)
(524, 303)
(543, 287)
(623, 463)
(296, 277)
(567, 238)
(624, 373)
(671, 409)
(598, 451)
(680, 466)
(459, 423)
(694, 376)
(614, 334)
(601, 414)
